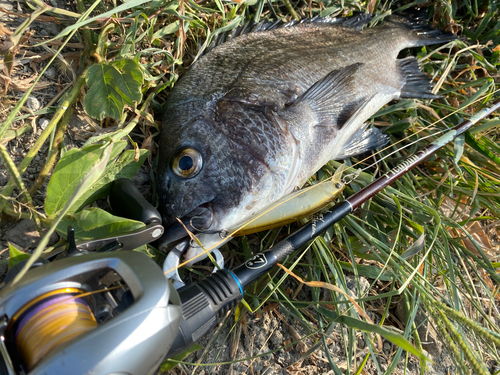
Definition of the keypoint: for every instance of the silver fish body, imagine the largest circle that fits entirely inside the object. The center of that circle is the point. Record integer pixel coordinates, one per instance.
(256, 116)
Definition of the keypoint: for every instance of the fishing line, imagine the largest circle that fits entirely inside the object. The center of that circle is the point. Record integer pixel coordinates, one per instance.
(207, 251)
(438, 131)
(419, 131)
(51, 320)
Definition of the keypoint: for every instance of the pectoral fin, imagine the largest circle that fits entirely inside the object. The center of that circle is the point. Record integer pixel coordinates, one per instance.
(362, 141)
(328, 99)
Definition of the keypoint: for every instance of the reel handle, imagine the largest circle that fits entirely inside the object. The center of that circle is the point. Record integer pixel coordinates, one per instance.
(127, 201)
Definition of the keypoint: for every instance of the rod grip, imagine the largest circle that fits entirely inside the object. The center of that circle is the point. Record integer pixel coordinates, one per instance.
(203, 305)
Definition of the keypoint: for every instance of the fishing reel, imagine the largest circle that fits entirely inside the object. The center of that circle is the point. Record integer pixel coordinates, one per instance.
(107, 313)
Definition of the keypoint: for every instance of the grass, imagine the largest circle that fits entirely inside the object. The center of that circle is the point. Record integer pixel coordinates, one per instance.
(427, 245)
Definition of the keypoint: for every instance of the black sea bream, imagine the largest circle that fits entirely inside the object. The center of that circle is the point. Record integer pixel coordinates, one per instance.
(256, 116)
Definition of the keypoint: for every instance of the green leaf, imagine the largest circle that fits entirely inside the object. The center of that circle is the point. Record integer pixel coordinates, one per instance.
(15, 256)
(115, 136)
(169, 364)
(94, 222)
(112, 86)
(369, 271)
(124, 167)
(84, 184)
(70, 170)
(481, 148)
(115, 10)
(415, 248)
(230, 26)
(146, 251)
(169, 29)
(402, 105)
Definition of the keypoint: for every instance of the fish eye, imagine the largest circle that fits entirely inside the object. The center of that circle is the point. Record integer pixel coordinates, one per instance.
(187, 162)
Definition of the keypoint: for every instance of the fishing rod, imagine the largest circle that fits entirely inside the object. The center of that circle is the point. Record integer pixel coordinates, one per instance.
(116, 312)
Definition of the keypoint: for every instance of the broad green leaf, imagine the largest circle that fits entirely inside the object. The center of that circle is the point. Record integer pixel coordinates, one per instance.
(124, 167)
(112, 86)
(84, 184)
(15, 256)
(146, 251)
(94, 222)
(169, 29)
(169, 364)
(70, 170)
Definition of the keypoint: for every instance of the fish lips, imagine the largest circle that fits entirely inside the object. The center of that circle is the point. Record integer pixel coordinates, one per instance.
(199, 220)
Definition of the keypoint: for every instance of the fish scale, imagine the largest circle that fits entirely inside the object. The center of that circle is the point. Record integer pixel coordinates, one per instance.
(265, 110)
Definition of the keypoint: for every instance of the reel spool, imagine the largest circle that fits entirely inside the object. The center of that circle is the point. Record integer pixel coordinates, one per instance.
(49, 321)
(101, 313)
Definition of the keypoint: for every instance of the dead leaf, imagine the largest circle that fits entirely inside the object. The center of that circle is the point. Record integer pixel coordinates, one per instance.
(24, 85)
(371, 6)
(322, 284)
(474, 228)
(180, 33)
(474, 67)
(270, 307)
(4, 31)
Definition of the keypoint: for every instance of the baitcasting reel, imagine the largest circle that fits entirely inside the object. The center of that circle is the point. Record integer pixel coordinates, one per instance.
(107, 313)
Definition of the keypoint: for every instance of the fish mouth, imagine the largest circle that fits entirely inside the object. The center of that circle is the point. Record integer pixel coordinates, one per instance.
(200, 220)
(202, 223)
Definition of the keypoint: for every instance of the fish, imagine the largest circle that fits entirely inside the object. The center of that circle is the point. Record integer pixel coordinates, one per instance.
(264, 109)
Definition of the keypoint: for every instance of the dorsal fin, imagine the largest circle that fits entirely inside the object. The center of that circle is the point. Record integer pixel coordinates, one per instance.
(358, 21)
(415, 20)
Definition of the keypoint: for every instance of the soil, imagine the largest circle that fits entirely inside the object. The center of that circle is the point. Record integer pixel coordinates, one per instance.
(282, 341)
